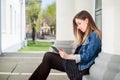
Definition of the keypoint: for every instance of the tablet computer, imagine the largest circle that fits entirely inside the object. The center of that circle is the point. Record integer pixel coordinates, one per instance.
(55, 49)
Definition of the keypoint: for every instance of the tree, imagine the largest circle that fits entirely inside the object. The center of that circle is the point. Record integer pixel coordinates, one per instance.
(32, 10)
(50, 14)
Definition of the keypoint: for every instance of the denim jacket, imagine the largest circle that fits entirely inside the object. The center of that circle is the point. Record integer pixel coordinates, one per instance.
(88, 51)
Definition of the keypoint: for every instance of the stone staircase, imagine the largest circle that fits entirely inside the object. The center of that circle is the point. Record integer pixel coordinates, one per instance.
(106, 67)
(19, 66)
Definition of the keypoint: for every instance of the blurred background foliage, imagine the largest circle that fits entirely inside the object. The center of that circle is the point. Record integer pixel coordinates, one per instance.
(36, 15)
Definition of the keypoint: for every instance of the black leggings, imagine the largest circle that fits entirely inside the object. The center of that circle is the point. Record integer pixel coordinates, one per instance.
(54, 61)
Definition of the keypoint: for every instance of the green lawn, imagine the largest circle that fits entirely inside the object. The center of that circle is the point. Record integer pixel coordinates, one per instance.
(38, 46)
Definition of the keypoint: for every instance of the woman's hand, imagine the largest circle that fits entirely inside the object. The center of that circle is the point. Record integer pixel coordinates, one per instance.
(65, 55)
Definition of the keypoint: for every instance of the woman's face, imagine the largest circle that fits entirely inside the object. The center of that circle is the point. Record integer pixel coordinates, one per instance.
(81, 24)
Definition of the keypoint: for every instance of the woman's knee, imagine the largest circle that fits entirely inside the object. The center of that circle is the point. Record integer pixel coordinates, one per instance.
(47, 56)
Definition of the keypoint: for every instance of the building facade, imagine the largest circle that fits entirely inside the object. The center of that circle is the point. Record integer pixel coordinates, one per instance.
(12, 25)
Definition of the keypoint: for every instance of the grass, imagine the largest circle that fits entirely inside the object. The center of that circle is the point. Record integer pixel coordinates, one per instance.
(38, 46)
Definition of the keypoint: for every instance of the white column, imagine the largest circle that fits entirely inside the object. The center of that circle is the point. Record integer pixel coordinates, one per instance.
(65, 14)
(0, 28)
(66, 10)
(111, 26)
(88, 5)
(23, 34)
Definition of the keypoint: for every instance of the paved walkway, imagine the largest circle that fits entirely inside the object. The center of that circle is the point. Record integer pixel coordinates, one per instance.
(19, 66)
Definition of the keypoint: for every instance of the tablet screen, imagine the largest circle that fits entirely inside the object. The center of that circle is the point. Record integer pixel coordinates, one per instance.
(55, 49)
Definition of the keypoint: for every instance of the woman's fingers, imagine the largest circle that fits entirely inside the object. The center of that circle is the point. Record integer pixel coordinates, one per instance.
(63, 54)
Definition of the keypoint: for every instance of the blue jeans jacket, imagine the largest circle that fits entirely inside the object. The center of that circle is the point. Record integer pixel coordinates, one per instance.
(88, 51)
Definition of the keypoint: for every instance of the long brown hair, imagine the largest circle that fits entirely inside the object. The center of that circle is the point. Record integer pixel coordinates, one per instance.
(79, 36)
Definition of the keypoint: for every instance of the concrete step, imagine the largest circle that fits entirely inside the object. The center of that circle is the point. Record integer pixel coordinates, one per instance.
(87, 77)
(20, 66)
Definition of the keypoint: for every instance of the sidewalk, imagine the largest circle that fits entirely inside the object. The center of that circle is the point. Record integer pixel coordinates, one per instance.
(19, 66)
(47, 38)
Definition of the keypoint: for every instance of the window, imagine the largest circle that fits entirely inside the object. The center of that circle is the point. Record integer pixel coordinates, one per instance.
(98, 13)
(3, 16)
(11, 19)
